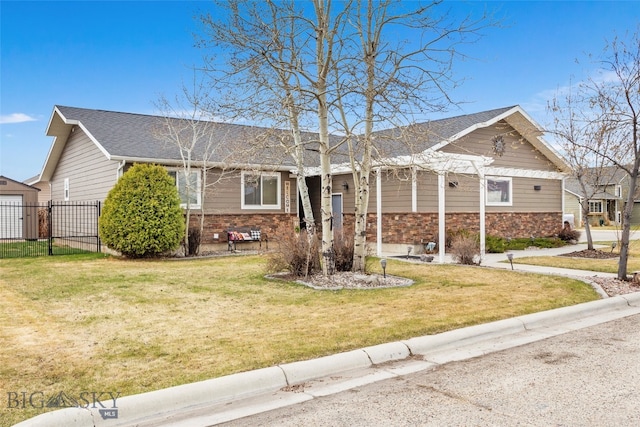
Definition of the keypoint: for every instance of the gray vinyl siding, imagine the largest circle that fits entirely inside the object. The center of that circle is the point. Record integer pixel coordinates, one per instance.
(225, 196)
(572, 206)
(396, 191)
(519, 153)
(348, 194)
(91, 175)
(427, 188)
(44, 195)
(526, 199)
(465, 196)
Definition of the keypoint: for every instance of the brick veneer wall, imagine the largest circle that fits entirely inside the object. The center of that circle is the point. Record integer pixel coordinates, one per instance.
(423, 227)
(269, 224)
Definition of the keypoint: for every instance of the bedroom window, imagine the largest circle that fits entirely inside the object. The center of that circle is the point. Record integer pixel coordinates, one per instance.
(260, 190)
(499, 192)
(188, 189)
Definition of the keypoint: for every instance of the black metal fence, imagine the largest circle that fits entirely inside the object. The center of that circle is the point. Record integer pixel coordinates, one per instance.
(53, 228)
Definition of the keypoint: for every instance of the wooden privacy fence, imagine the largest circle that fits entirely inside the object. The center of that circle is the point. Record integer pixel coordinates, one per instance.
(52, 228)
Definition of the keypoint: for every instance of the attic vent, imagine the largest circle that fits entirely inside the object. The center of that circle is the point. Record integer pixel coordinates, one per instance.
(3, 182)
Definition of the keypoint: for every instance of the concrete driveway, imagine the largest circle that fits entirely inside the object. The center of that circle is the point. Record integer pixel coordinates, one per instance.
(589, 377)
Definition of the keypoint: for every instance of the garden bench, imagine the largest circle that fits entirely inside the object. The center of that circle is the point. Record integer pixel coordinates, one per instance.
(244, 235)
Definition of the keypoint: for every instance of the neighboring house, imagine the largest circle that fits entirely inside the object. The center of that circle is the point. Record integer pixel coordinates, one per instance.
(489, 172)
(606, 199)
(18, 210)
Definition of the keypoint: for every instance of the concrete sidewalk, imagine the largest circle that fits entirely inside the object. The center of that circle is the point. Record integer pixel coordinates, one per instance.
(501, 261)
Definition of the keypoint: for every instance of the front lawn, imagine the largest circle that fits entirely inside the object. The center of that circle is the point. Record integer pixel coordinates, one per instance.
(87, 322)
(589, 264)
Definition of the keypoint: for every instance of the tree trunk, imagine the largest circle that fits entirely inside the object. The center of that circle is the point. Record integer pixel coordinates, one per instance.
(626, 224)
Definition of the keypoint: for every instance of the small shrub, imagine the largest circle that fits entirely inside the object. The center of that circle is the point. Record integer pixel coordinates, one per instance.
(194, 241)
(297, 253)
(343, 249)
(495, 245)
(141, 216)
(465, 249)
(568, 235)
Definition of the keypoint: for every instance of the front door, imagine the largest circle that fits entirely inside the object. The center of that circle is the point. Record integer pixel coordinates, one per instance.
(336, 200)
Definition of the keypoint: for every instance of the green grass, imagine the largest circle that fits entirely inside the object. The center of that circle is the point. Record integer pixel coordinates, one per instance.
(34, 248)
(89, 322)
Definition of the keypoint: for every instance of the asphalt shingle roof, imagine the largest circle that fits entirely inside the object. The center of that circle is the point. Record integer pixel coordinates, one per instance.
(130, 135)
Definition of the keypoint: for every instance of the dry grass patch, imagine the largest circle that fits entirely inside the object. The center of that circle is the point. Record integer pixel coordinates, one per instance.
(80, 323)
(588, 264)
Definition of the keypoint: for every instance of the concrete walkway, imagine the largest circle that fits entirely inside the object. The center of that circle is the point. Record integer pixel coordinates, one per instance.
(236, 396)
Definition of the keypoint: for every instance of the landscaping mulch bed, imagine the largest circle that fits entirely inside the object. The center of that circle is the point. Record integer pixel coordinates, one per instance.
(592, 254)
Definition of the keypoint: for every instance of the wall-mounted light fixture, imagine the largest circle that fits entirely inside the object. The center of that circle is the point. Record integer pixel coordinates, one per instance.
(537, 187)
(453, 184)
(345, 185)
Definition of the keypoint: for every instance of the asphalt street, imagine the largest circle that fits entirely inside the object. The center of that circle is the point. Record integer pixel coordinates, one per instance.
(589, 377)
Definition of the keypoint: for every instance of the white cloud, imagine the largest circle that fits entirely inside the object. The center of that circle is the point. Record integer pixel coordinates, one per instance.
(16, 118)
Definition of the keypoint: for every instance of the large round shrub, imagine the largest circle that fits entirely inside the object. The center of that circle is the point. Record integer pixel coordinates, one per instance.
(141, 216)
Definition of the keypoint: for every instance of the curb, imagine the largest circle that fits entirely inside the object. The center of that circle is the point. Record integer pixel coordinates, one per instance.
(158, 404)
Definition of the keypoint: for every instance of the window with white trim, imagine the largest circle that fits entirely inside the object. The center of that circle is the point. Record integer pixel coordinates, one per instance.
(595, 206)
(66, 189)
(499, 191)
(260, 190)
(190, 190)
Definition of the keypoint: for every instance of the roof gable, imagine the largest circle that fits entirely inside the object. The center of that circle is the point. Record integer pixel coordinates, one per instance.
(18, 183)
(435, 135)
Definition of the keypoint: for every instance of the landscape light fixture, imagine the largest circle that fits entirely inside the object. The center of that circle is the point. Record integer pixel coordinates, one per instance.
(383, 264)
(510, 258)
(613, 246)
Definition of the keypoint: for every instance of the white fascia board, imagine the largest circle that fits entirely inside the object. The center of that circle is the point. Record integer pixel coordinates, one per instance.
(524, 173)
(200, 164)
(55, 151)
(437, 161)
(571, 192)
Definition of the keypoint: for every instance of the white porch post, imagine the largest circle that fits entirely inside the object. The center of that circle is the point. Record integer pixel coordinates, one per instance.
(414, 190)
(483, 240)
(379, 211)
(441, 218)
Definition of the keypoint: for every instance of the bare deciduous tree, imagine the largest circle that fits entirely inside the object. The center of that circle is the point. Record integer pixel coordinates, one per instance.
(340, 69)
(612, 100)
(382, 81)
(582, 140)
(186, 124)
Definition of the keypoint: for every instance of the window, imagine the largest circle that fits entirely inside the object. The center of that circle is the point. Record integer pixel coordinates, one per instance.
(191, 186)
(66, 189)
(499, 192)
(260, 190)
(595, 207)
(618, 191)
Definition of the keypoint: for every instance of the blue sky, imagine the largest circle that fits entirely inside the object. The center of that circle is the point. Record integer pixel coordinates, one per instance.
(123, 55)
